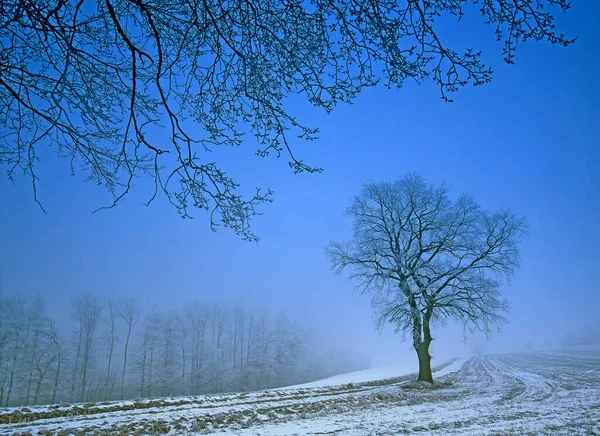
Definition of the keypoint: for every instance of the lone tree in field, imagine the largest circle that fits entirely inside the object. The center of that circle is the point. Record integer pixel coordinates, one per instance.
(140, 88)
(425, 258)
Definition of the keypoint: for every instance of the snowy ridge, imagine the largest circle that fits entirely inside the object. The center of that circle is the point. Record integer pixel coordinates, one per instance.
(378, 374)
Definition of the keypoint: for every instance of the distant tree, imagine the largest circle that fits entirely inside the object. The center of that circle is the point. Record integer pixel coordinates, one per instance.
(150, 336)
(39, 351)
(182, 334)
(30, 352)
(265, 337)
(237, 337)
(166, 336)
(129, 311)
(144, 88)
(426, 258)
(250, 343)
(86, 312)
(14, 342)
(286, 350)
(111, 315)
(56, 341)
(43, 363)
(197, 317)
(218, 320)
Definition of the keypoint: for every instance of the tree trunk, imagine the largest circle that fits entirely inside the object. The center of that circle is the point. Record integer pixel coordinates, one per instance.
(424, 362)
(32, 365)
(59, 357)
(183, 365)
(56, 379)
(125, 362)
(143, 374)
(84, 374)
(12, 371)
(42, 374)
(2, 384)
(107, 393)
(10, 385)
(76, 364)
(423, 349)
(150, 371)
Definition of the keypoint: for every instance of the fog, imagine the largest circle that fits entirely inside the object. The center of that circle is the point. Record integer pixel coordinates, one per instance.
(521, 143)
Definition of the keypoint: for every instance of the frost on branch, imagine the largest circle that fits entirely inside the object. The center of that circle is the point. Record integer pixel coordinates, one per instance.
(137, 88)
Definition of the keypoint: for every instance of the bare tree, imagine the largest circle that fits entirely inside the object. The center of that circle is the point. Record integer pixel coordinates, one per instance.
(55, 339)
(251, 325)
(110, 315)
(197, 317)
(426, 258)
(129, 311)
(43, 362)
(218, 320)
(286, 350)
(33, 323)
(28, 354)
(198, 341)
(13, 316)
(96, 83)
(265, 336)
(240, 322)
(150, 336)
(182, 334)
(167, 331)
(40, 350)
(76, 363)
(87, 312)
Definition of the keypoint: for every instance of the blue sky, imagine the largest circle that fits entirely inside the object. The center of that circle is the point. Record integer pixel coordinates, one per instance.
(529, 141)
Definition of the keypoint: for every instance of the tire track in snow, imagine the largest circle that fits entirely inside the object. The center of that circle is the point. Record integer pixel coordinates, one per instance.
(521, 393)
(96, 419)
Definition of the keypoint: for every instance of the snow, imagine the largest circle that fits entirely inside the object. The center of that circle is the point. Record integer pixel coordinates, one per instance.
(454, 366)
(553, 392)
(374, 374)
(527, 393)
(363, 376)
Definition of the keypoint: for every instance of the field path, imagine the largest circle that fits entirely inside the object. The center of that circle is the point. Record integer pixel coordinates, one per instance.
(520, 393)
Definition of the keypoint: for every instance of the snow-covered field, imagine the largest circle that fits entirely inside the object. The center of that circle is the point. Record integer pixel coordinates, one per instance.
(376, 374)
(523, 393)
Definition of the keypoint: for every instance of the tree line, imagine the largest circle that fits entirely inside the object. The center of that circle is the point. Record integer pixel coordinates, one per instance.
(110, 350)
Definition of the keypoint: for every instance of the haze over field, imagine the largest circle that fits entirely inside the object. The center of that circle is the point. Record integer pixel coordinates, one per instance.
(223, 314)
(527, 141)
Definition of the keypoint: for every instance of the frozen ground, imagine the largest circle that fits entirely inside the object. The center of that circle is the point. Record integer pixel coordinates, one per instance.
(523, 393)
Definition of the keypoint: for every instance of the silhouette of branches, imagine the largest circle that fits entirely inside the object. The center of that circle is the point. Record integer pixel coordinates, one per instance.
(142, 88)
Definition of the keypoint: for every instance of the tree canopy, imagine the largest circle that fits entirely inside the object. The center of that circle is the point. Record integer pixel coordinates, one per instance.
(425, 258)
(142, 88)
